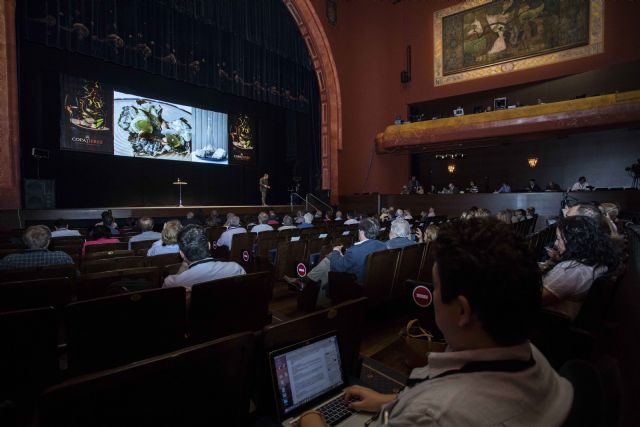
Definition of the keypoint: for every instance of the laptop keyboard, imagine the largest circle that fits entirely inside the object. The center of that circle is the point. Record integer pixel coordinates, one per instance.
(336, 410)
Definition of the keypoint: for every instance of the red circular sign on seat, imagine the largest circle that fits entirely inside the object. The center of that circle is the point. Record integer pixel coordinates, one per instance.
(245, 256)
(422, 296)
(301, 269)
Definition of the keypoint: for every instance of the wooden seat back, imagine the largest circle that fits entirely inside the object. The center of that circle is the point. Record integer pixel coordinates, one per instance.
(112, 331)
(142, 247)
(379, 272)
(110, 264)
(227, 306)
(105, 247)
(207, 384)
(96, 285)
(408, 269)
(35, 293)
(43, 272)
(289, 255)
(163, 260)
(426, 264)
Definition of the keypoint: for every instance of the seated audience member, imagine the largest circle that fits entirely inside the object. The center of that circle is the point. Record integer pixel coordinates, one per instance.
(504, 188)
(384, 215)
(62, 230)
(229, 216)
(610, 215)
(432, 189)
(450, 189)
(399, 235)
(353, 261)
(99, 235)
(109, 222)
(190, 219)
(327, 217)
(338, 216)
(352, 219)
(263, 217)
(420, 189)
(145, 224)
(505, 216)
(299, 219)
(308, 220)
(233, 228)
(581, 185)
(483, 213)
(584, 253)
(533, 187)
(404, 190)
(430, 234)
(317, 215)
(413, 185)
(486, 301)
(407, 214)
(531, 212)
(36, 238)
(519, 215)
(473, 188)
(213, 220)
(399, 213)
(552, 186)
(249, 221)
(590, 211)
(431, 213)
(199, 266)
(273, 218)
(168, 243)
(287, 224)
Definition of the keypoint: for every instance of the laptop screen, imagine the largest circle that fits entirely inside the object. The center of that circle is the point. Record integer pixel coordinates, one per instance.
(305, 371)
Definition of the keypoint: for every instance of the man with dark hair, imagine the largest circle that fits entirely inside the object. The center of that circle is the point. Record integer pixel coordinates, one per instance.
(581, 185)
(36, 238)
(533, 186)
(486, 300)
(62, 229)
(198, 265)
(145, 224)
(353, 260)
(109, 222)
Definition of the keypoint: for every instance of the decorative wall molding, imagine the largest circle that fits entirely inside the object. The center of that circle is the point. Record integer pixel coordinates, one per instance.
(315, 37)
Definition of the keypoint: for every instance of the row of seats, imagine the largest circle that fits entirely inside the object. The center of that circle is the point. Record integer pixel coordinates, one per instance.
(205, 384)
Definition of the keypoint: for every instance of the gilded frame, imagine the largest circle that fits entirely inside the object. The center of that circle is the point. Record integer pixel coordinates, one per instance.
(594, 47)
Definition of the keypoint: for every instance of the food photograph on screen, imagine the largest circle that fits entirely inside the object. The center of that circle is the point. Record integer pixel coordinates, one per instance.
(150, 128)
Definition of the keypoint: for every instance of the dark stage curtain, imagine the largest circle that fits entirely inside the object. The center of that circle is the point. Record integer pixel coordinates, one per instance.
(249, 48)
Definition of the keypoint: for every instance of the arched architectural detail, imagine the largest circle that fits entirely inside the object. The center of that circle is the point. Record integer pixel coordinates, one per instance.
(9, 142)
(315, 37)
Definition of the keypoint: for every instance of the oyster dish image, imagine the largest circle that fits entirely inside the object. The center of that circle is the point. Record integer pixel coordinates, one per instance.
(150, 128)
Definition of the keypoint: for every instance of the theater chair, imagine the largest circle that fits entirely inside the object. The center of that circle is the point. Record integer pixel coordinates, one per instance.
(231, 305)
(45, 272)
(96, 285)
(110, 264)
(55, 292)
(28, 361)
(408, 269)
(108, 332)
(204, 385)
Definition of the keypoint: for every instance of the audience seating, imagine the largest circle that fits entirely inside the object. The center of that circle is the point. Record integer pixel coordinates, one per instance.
(290, 254)
(142, 247)
(207, 384)
(28, 361)
(241, 244)
(110, 264)
(108, 332)
(106, 254)
(408, 269)
(95, 285)
(426, 265)
(35, 293)
(588, 406)
(226, 306)
(214, 233)
(347, 319)
(106, 247)
(163, 260)
(44, 272)
(541, 239)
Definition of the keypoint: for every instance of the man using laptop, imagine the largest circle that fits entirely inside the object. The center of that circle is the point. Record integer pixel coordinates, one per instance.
(487, 291)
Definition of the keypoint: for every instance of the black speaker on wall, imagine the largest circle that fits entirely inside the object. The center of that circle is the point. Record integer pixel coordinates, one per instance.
(39, 194)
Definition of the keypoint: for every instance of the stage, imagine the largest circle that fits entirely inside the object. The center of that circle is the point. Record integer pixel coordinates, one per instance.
(19, 218)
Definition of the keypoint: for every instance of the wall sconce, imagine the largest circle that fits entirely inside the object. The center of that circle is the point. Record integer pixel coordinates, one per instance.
(533, 161)
(451, 168)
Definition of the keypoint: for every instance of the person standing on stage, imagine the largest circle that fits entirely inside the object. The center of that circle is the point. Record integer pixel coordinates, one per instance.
(264, 187)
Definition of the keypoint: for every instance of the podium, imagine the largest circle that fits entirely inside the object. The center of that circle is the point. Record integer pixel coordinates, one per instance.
(180, 184)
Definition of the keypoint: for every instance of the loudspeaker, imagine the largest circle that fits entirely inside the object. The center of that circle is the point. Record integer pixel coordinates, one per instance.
(39, 194)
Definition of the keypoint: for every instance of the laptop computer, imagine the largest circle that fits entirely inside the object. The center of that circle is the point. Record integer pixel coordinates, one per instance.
(308, 375)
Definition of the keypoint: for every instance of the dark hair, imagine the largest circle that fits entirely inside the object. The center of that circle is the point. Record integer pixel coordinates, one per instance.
(60, 223)
(581, 179)
(193, 242)
(107, 218)
(99, 232)
(370, 226)
(586, 243)
(489, 264)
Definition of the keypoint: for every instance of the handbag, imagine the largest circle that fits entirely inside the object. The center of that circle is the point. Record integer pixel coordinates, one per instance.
(419, 343)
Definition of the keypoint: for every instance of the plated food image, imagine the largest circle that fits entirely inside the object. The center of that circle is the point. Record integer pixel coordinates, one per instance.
(87, 108)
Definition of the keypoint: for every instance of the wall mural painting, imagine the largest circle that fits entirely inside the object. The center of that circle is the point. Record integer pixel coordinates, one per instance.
(480, 38)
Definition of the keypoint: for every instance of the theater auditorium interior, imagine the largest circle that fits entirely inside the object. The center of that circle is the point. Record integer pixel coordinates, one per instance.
(319, 213)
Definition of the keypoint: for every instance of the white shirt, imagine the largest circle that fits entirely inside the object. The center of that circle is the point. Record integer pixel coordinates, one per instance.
(580, 187)
(226, 237)
(203, 271)
(287, 227)
(535, 396)
(261, 227)
(351, 221)
(145, 235)
(63, 232)
(159, 249)
(570, 282)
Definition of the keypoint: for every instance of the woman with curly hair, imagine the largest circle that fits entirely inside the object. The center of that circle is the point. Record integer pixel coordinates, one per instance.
(585, 253)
